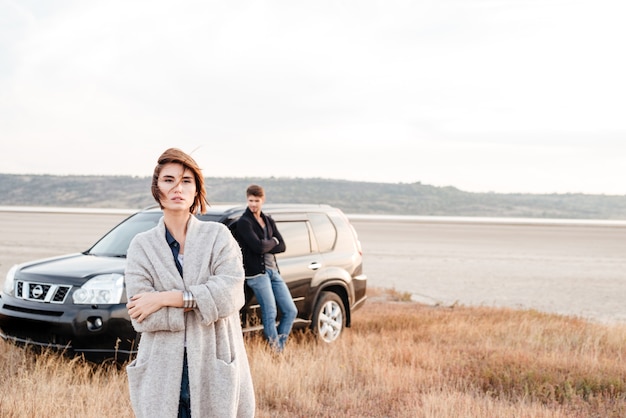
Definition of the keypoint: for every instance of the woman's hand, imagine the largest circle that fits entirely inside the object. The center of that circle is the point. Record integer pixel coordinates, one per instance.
(143, 305)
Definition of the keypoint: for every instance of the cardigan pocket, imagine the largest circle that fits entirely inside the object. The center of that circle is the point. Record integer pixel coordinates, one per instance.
(136, 385)
(224, 395)
(226, 346)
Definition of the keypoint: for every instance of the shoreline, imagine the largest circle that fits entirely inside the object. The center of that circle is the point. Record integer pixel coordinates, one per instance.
(358, 217)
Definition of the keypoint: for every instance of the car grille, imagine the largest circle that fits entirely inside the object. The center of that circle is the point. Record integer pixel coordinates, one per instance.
(41, 292)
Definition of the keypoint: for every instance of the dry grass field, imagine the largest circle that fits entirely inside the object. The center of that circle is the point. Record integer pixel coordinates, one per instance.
(400, 359)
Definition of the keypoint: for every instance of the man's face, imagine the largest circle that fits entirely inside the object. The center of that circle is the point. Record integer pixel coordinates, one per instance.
(255, 203)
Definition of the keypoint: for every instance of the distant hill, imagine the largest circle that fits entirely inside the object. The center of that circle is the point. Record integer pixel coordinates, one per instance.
(353, 197)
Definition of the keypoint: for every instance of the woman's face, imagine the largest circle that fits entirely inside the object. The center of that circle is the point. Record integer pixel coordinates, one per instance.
(177, 187)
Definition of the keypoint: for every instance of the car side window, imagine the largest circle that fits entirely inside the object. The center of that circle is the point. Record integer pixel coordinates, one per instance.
(324, 231)
(296, 236)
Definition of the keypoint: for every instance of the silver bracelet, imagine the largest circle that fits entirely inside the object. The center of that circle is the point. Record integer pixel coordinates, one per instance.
(188, 300)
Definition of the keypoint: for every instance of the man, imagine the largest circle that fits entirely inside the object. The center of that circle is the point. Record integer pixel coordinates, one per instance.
(259, 240)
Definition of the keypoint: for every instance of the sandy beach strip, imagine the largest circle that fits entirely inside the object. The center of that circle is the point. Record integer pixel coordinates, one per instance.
(572, 268)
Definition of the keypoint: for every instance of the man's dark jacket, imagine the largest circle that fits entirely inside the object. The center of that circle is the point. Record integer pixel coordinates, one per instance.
(253, 244)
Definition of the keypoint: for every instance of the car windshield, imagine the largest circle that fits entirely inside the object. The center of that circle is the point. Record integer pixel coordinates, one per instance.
(116, 242)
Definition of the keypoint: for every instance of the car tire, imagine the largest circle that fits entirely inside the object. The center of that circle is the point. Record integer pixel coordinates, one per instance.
(329, 317)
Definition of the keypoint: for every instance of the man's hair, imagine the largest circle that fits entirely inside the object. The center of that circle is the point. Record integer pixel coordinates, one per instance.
(174, 155)
(255, 190)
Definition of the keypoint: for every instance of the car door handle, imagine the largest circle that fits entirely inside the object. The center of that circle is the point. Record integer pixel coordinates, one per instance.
(314, 265)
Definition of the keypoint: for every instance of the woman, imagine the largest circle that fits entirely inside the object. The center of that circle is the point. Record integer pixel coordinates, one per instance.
(185, 284)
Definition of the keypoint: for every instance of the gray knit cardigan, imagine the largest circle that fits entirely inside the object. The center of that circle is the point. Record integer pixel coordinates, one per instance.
(219, 374)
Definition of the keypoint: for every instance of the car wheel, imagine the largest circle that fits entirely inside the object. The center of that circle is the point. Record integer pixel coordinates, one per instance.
(329, 317)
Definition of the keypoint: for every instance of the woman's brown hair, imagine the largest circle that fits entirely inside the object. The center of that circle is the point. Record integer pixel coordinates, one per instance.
(174, 155)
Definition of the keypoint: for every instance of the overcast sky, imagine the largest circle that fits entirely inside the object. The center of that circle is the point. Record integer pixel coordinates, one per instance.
(483, 95)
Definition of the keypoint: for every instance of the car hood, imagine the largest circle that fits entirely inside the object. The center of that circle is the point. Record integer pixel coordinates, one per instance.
(72, 269)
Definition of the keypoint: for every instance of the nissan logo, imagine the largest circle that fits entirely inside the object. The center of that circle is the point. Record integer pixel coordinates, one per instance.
(37, 291)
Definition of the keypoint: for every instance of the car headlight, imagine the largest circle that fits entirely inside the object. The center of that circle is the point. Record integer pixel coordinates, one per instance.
(9, 281)
(103, 289)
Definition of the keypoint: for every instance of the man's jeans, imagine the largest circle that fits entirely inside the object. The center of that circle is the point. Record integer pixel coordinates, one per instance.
(271, 292)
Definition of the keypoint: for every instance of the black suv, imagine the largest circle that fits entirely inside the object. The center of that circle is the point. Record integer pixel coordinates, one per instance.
(76, 302)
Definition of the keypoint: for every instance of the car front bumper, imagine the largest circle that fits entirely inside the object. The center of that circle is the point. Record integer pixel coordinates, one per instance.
(99, 332)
